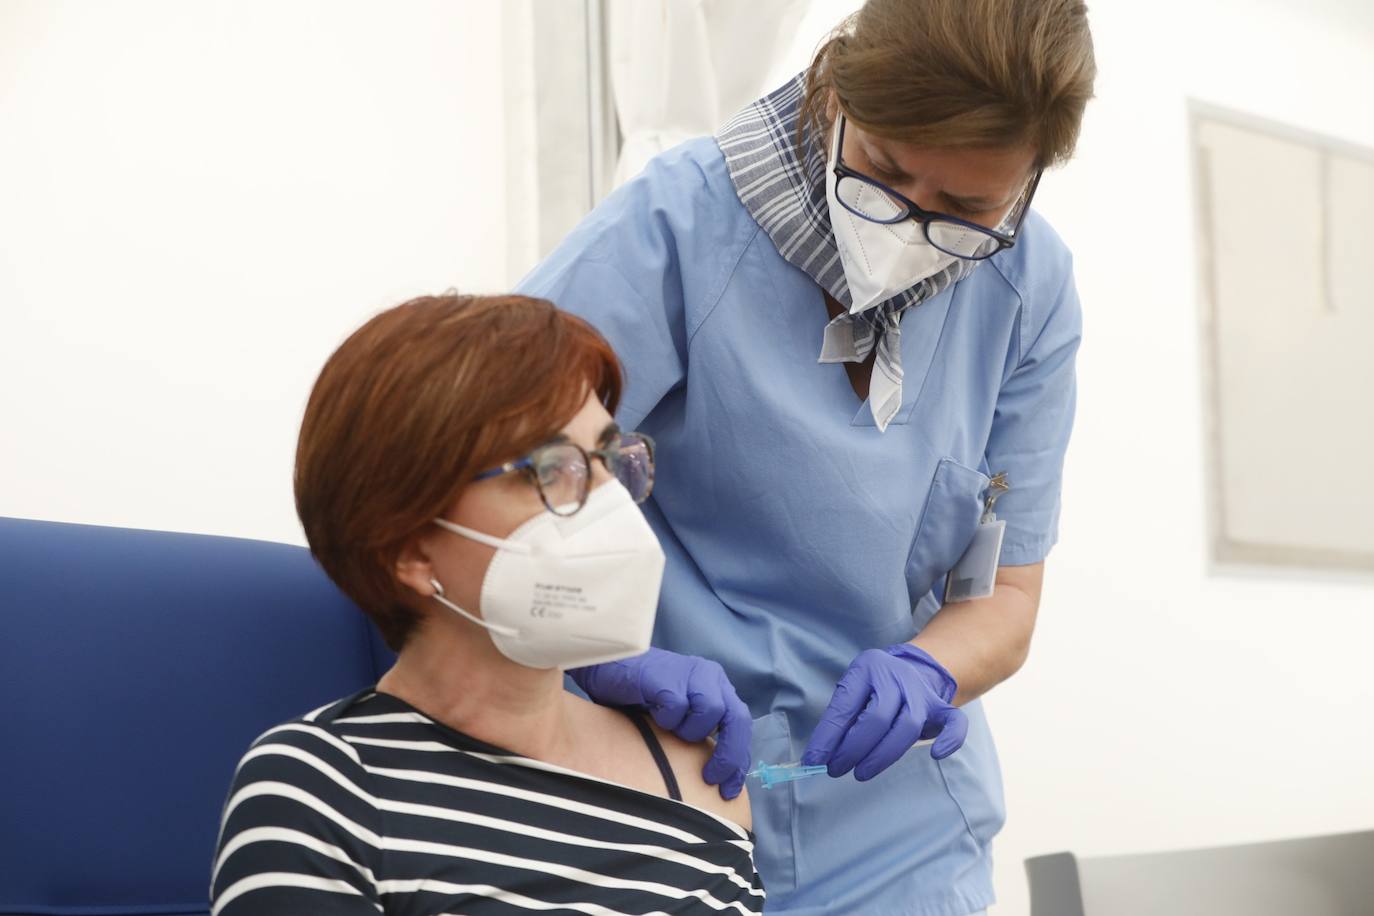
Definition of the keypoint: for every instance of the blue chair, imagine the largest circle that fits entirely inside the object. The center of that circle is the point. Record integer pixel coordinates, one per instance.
(135, 669)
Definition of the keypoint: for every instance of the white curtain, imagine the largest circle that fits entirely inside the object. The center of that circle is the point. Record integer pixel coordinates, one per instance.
(681, 68)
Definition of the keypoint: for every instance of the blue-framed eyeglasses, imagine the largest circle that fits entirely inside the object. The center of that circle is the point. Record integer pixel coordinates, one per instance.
(874, 201)
(562, 470)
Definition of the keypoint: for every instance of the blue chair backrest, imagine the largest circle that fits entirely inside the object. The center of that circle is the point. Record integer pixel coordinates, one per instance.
(135, 669)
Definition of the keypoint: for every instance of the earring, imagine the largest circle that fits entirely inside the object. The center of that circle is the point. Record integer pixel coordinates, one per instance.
(438, 589)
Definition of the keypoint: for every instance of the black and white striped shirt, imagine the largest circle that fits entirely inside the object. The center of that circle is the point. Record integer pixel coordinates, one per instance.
(368, 805)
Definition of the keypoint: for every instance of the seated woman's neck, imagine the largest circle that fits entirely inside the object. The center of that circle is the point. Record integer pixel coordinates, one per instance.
(456, 675)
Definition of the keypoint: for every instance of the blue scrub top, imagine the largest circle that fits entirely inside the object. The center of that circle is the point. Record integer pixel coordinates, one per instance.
(796, 534)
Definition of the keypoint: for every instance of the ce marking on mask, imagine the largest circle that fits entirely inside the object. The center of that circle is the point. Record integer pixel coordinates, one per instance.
(550, 601)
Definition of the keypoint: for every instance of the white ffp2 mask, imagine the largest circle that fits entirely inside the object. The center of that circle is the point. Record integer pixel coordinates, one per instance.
(879, 260)
(563, 592)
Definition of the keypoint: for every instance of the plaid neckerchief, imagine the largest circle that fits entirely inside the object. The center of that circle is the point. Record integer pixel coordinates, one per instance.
(786, 196)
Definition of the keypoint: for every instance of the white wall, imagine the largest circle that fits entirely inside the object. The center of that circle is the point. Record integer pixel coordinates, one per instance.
(1167, 704)
(198, 201)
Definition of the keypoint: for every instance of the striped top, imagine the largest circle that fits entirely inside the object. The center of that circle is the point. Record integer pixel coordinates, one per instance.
(368, 806)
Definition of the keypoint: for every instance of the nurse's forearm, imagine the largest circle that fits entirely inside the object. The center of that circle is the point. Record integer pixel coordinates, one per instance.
(985, 641)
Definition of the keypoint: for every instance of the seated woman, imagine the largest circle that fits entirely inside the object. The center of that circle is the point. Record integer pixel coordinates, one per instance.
(459, 476)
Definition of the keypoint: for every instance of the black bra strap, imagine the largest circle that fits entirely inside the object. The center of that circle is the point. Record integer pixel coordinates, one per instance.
(660, 758)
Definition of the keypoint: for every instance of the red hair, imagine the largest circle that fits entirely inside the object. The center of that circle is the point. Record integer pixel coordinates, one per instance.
(412, 406)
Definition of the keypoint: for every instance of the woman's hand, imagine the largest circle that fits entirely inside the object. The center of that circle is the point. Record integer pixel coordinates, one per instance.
(688, 696)
(887, 701)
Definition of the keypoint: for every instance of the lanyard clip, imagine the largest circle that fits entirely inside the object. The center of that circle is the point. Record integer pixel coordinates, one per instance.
(996, 487)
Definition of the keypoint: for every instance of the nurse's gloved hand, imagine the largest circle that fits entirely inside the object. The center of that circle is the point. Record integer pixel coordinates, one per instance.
(688, 696)
(887, 701)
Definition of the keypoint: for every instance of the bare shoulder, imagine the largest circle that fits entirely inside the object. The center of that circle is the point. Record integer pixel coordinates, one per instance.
(687, 761)
(612, 748)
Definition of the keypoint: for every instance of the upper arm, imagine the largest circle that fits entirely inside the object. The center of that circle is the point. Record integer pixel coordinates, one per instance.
(687, 761)
(647, 265)
(620, 271)
(1034, 418)
(1027, 579)
(647, 334)
(1019, 590)
(299, 831)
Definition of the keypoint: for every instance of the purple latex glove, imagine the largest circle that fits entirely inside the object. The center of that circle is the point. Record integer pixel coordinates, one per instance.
(887, 701)
(688, 696)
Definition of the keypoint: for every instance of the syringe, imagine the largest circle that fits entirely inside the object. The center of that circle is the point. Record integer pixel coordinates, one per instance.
(773, 774)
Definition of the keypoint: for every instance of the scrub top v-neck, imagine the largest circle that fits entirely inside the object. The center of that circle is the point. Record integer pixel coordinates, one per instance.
(797, 534)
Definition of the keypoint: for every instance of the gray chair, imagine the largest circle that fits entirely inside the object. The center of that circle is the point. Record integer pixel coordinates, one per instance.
(1313, 876)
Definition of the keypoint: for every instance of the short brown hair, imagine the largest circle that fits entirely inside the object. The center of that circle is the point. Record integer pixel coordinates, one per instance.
(412, 406)
(958, 73)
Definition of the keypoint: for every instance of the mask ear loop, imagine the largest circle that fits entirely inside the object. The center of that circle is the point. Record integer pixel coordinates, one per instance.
(479, 537)
(494, 627)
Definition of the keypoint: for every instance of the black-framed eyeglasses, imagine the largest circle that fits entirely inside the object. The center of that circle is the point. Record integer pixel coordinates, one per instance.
(874, 201)
(562, 471)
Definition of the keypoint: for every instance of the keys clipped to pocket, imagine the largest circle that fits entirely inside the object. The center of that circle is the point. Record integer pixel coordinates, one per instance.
(975, 575)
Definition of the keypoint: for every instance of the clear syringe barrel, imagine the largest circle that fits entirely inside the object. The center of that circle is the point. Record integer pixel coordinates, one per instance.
(773, 774)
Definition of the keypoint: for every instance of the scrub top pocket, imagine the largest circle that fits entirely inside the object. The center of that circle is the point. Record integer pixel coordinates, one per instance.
(966, 772)
(953, 508)
(772, 809)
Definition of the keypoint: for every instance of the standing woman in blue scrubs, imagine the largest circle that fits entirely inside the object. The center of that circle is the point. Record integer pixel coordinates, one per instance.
(848, 335)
